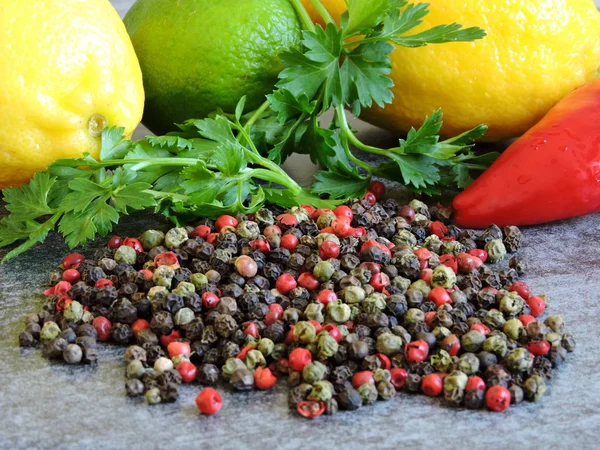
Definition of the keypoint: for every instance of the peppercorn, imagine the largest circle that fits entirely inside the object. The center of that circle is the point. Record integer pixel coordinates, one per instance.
(134, 387)
(135, 369)
(72, 354)
(242, 379)
(534, 388)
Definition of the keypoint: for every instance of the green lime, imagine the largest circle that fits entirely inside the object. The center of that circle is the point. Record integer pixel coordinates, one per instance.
(201, 55)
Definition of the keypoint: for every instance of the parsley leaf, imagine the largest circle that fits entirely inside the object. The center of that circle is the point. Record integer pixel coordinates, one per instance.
(30, 200)
(287, 105)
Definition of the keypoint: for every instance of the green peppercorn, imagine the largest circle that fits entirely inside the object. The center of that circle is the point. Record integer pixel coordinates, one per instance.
(386, 390)
(455, 380)
(421, 286)
(405, 237)
(511, 303)
(231, 365)
(153, 396)
(338, 312)
(568, 342)
(369, 393)
(375, 302)
(401, 283)
(514, 329)
(554, 339)
(49, 331)
(313, 372)
(247, 229)
(73, 311)
(494, 319)
(497, 345)
(443, 276)
(72, 354)
(184, 316)
(441, 333)
(199, 280)
(152, 238)
(327, 346)
(380, 375)
(496, 250)
(323, 237)
(556, 323)
(314, 311)
(442, 361)
(157, 292)
(353, 294)
(325, 220)
(266, 346)
(125, 255)
(519, 360)
(254, 358)
(305, 332)
(451, 248)
(135, 369)
(175, 237)
(323, 271)
(472, 341)
(322, 391)
(179, 359)
(87, 317)
(389, 344)
(468, 363)
(185, 289)
(163, 276)
(534, 387)
(433, 243)
(414, 315)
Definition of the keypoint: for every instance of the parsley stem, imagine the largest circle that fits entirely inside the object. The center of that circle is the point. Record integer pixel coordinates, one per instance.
(343, 122)
(256, 114)
(307, 23)
(322, 11)
(171, 195)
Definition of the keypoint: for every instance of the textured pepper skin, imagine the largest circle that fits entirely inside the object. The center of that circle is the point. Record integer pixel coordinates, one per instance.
(552, 172)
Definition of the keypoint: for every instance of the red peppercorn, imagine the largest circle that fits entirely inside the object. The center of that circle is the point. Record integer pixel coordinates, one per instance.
(327, 230)
(399, 376)
(360, 232)
(467, 263)
(537, 305)
(449, 261)
(364, 377)
(146, 274)
(289, 337)
(438, 228)
(349, 325)
(371, 243)
(317, 325)
(423, 254)
(285, 283)
(319, 212)
(426, 275)
(308, 281)
(378, 189)
(539, 348)
(72, 261)
(134, 244)
(210, 300)
(407, 213)
(289, 242)
(246, 266)
(62, 302)
(311, 408)
(333, 331)
(482, 328)
(201, 231)
(416, 352)
(165, 340)
(439, 296)
(385, 361)
(342, 228)
(139, 325)
(251, 330)
(309, 209)
(451, 344)
(329, 249)
(325, 296)
(429, 316)
(242, 354)
(369, 198)
(521, 288)
(287, 220)
(114, 242)
(187, 370)
(432, 384)
(60, 288)
(261, 245)
(379, 281)
(299, 358)
(179, 348)
(475, 383)
(225, 221)
(343, 211)
(526, 319)
(271, 317)
(71, 275)
(497, 398)
(264, 378)
(166, 259)
(103, 327)
(103, 282)
(272, 230)
(478, 253)
(209, 401)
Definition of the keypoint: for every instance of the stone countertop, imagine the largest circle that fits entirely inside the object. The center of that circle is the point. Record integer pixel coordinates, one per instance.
(51, 405)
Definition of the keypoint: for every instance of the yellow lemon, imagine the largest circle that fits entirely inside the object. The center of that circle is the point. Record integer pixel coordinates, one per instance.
(534, 54)
(67, 69)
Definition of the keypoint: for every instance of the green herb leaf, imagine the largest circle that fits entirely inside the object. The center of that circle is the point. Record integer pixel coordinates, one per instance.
(441, 34)
(30, 200)
(239, 109)
(338, 186)
(170, 142)
(287, 105)
(367, 14)
(112, 144)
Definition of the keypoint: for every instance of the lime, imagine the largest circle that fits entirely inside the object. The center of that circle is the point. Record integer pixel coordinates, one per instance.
(201, 55)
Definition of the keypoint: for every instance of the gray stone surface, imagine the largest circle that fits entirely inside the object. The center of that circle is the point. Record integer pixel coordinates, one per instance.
(54, 406)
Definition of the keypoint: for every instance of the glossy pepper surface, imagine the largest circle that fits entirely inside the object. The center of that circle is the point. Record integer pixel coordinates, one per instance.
(552, 172)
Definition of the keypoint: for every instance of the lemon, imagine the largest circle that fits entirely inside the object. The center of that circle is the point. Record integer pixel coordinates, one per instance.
(535, 53)
(67, 69)
(201, 55)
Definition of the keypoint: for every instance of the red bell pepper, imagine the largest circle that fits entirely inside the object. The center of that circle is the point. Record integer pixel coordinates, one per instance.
(552, 172)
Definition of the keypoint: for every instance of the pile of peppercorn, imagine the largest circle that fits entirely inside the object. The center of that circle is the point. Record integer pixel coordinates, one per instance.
(351, 305)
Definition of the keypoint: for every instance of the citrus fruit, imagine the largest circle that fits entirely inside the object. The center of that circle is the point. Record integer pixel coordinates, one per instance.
(201, 55)
(535, 53)
(67, 69)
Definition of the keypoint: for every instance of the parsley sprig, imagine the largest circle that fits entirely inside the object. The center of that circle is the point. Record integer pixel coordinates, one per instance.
(231, 163)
